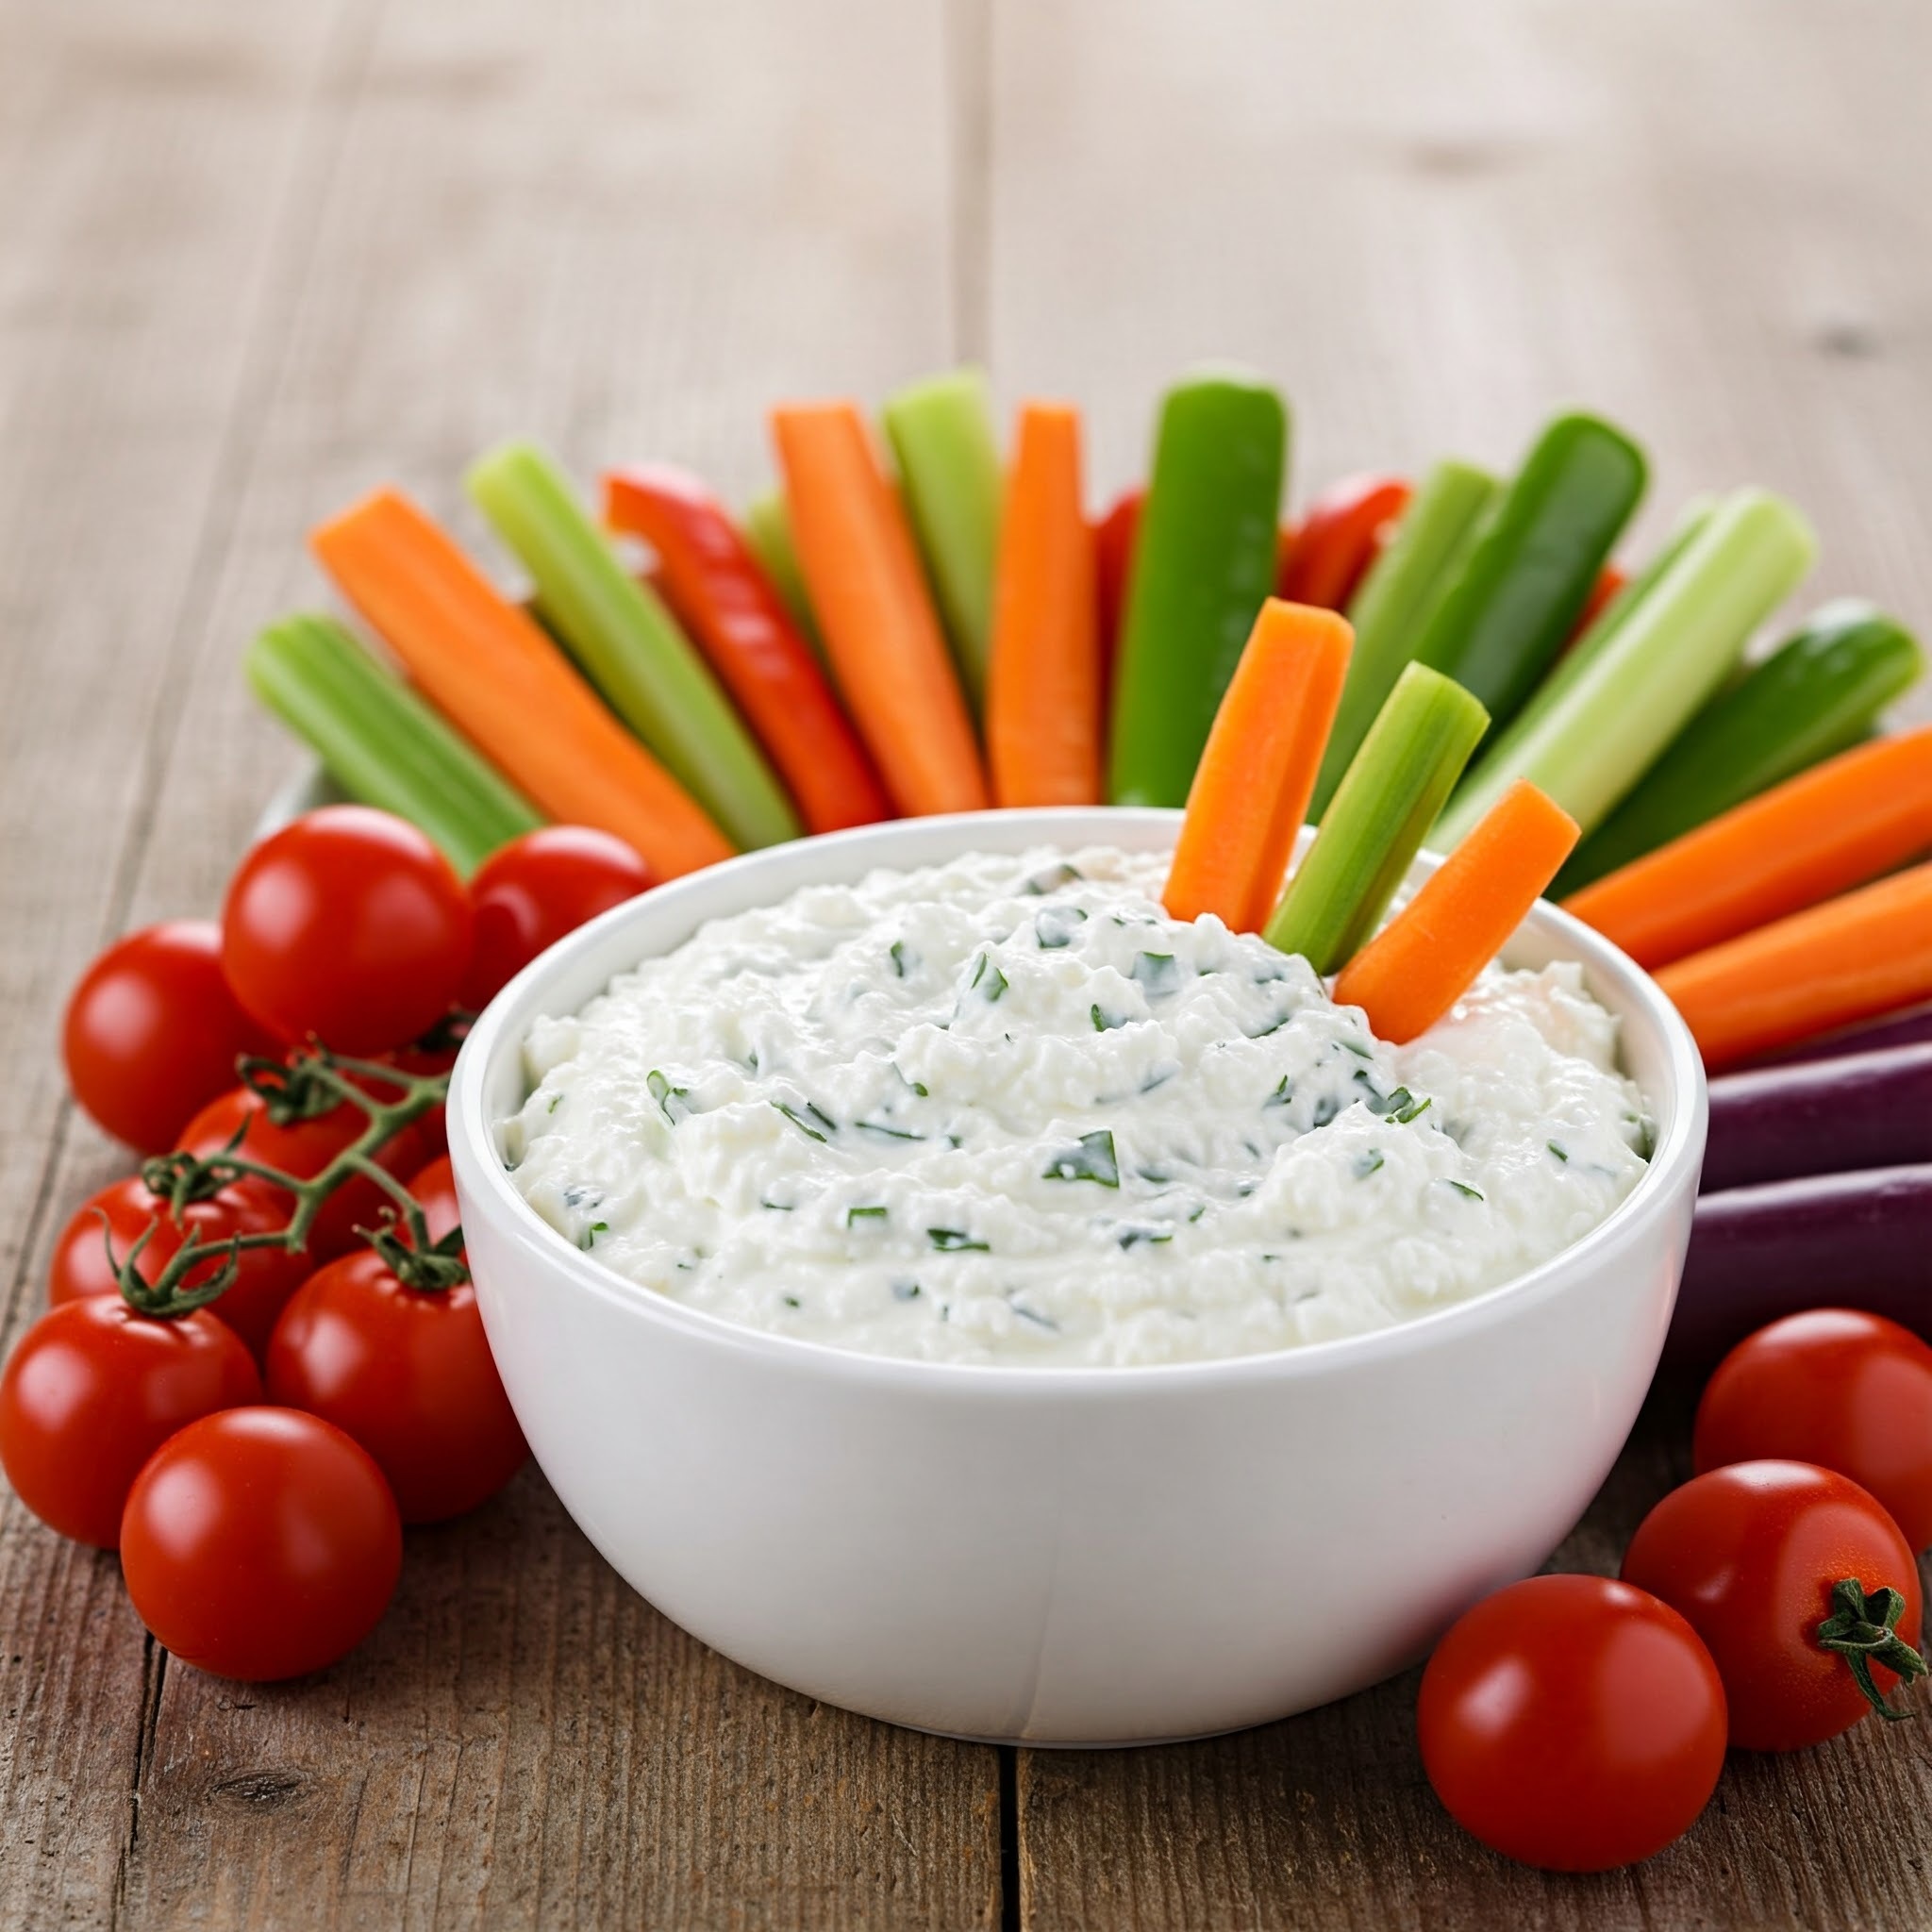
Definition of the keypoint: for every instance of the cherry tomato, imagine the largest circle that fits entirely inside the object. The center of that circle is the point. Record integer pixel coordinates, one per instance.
(1751, 1554)
(264, 1277)
(531, 893)
(303, 1149)
(1846, 1390)
(1572, 1723)
(409, 1373)
(153, 1032)
(431, 1132)
(348, 926)
(91, 1393)
(435, 1186)
(260, 1544)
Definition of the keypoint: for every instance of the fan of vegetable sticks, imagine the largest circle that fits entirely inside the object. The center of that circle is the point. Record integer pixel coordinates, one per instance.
(903, 627)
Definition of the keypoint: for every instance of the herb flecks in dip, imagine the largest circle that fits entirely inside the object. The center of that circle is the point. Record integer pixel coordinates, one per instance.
(1006, 1109)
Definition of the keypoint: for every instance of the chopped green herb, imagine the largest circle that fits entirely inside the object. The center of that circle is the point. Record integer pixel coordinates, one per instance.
(1102, 1022)
(1368, 1163)
(1054, 929)
(1027, 1314)
(890, 1132)
(1354, 1046)
(1154, 1176)
(1558, 1148)
(790, 1301)
(1093, 1160)
(1283, 1094)
(917, 1086)
(595, 1228)
(853, 1214)
(1051, 880)
(1275, 1026)
(905, 1290)
(667, 1096)
(1157, 972)
(1413, 1112)
(804, 1125)
(954, 1241)
(1461, 1189)
(1325, 1110)
(556, 1100)
(1197, 1213)
(775, 1207)
(995, 981)
(1148, 1236)
(900, 954)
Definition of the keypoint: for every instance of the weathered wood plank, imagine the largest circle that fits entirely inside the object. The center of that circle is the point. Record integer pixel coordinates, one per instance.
(1433, 225)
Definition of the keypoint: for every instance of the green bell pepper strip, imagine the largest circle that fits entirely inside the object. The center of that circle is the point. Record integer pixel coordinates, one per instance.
(768, 536)
(1664, 658)
(1203, 566)
(382, 742)
(1389, 797)
(629, 645)
(1528, 574)
(1818, 694)
(1390, 610)
(942, 435)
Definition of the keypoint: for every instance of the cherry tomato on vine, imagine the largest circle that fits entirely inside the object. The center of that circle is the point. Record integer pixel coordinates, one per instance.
(1754, 1557)
(1844, 1390)
(528, 894)
(303, 1149)
(407, 1372)
(152, 1032)
(435, 1187)
(260, 1544)
(93, 1390)
(1572, 1723)
(264, 1277)
(348, 926)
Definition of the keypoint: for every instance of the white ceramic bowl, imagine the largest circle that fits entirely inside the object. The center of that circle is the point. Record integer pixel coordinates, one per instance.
(1073, 1554)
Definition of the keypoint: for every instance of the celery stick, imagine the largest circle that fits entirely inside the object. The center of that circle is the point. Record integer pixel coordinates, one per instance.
(1670, 652)
(629, 645)
(768, 532)
(382, 742)
(1391, 609)
(942, 440)
(1408, 764)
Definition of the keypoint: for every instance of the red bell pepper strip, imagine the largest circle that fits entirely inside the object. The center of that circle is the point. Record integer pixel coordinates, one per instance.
(714, 584)
(1603, 594)
(1337, 541)
(1113, 556)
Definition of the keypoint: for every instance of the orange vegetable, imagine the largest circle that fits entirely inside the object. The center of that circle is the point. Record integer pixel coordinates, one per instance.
(489, 668)
(1043, 691)
(1256, 774)
(1825, 967)
(1820, 833)
(1428, 956)
(862, 569)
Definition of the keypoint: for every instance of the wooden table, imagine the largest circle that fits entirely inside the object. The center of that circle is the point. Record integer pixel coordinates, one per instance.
(258, 258)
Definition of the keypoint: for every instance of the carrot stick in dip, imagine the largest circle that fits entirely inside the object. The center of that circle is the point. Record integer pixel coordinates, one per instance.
(1428, 956)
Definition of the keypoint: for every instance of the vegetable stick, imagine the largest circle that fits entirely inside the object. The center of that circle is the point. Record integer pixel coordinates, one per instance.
(1910, 1027)
(1531, 571)
(767, 535)
(630, 647)
(1337, 539)
(1251, 789)
(380, 742)
(1855, 1240)
(715, 589)
(1603, 594)
(505, 686)
(1042, 693)
(1428, 956)
(1394, 599)
(883, 640)
(1820, 833)
(1844, 960)
(1816, 695)
(940, 431)
(1776, 1123)
(1409, 760)
(1203, 564)
(1660, 657)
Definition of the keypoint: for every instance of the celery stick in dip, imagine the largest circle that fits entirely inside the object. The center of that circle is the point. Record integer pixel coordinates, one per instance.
(1007, 1110)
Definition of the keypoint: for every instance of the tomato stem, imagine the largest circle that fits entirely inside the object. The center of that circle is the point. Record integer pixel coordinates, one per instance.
(1864, 1629)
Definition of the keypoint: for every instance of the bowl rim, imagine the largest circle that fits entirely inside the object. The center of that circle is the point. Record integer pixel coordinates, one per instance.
(472, 1147)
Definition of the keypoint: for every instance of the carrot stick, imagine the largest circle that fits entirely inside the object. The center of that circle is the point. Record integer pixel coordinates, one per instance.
(1830, 828)
(489, 669)
(1825, 967)
(863, 571)
(1042, 692)
(1256, 774)
(1428, 956)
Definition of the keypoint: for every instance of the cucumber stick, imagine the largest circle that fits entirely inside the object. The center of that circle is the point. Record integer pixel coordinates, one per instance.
(382, 742)
(1816, 695)
(1390, 610)
(1203, 566)
(1390, 795)
(629, 645)
(942, 440)
(1528, 574)
(1672, 648)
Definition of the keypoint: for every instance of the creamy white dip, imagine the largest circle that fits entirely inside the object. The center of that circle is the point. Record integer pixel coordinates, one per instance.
(1006, 1109)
